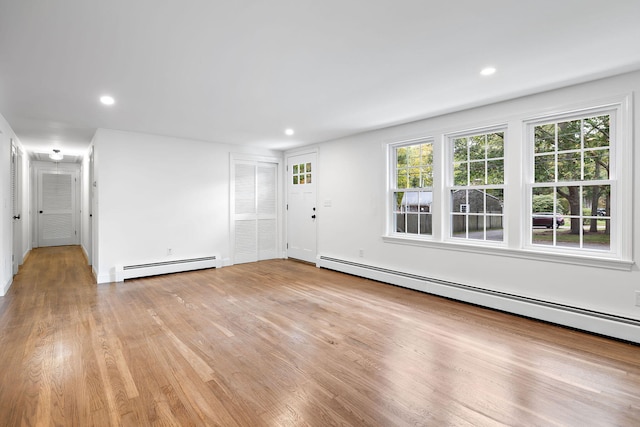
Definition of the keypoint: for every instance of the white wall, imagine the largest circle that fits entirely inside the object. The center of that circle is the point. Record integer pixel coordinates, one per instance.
(352, 176)
(155, 193)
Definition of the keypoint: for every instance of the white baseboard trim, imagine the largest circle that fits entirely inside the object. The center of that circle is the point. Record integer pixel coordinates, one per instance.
(6, 287)
(596, 322)
(103, 277)
(25, 255)
(86, 254)
(165, 267)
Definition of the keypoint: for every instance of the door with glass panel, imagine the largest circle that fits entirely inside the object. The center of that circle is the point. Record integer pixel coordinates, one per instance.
(301, 207)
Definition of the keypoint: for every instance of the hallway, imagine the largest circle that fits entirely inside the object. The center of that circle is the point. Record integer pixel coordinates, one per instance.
(284, 343)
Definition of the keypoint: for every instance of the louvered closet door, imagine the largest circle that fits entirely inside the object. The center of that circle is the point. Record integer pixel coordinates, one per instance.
(267, 211)
(56, 208)
(255, 211)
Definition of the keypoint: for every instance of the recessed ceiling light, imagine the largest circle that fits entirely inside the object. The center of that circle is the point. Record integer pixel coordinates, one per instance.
(288, 132)
(107, 100)
(487, 71)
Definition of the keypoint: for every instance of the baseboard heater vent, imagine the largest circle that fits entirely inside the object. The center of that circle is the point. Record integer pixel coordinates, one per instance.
(164, 267)
(544, 310)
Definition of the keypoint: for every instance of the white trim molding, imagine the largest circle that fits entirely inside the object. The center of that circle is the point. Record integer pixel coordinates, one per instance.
(574, 317)
(6, 287)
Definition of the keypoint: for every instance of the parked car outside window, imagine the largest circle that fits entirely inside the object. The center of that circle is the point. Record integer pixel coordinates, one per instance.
(547, 219)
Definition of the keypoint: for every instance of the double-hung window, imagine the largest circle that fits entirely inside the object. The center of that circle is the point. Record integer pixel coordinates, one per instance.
(570, 191)
(476, 196)
(412, 188)
(572, 197)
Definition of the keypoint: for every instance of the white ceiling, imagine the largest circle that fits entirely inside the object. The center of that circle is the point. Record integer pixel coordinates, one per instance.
(242, 71)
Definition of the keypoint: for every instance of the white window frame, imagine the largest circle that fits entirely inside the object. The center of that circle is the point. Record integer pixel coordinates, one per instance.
(392, 187)
(449, 139)
(620, 178)
(516, 230)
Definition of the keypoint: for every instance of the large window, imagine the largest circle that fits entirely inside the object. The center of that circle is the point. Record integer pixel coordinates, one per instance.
(571, 193)
(562, 184)
(477, 193)
(412, 190)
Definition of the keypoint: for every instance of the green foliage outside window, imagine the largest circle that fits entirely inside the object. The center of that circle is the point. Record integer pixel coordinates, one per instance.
(575, 151)
(478, 159)
(413, 195)
(414, 166)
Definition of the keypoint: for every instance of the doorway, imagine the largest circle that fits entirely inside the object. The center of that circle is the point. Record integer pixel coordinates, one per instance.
(89, 193)
(16, 207)
(301, 206)
(57, 201)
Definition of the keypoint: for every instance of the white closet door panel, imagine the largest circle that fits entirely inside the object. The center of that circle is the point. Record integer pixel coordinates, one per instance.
(267, 238)
(57, 208)
(57, 226)
(255, 210)
(245, 189)
(57, 192)
(267, 190)
(246, 247)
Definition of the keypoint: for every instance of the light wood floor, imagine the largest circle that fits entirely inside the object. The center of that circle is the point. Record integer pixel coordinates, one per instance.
(281, 343)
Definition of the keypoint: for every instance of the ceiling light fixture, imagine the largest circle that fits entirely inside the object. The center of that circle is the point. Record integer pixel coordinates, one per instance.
(288, 132)
(56, 155)
(107, 100)
(487, 71)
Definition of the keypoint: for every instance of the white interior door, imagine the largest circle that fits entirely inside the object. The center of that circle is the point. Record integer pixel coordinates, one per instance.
(16, 207)
(254, 211)
(89, 239)
(301, 207)
(57, 208)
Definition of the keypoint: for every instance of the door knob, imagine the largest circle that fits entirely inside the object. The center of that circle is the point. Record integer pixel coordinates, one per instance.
(313, 216)
(16, 216)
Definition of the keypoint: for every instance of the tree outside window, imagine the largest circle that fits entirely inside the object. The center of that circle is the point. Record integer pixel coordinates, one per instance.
(412, 188)
(572, 186)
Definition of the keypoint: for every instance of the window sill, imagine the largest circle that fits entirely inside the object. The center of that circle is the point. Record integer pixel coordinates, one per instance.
(530, 254)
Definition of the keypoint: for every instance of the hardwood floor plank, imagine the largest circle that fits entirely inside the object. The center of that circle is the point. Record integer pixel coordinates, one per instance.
(102, 359)
(280, 343)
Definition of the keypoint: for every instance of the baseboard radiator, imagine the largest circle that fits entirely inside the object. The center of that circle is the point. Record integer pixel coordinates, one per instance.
(592, 321)
(124, 272)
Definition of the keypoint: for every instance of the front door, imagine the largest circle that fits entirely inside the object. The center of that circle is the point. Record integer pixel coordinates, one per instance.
(57, 208)
(301, 207)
